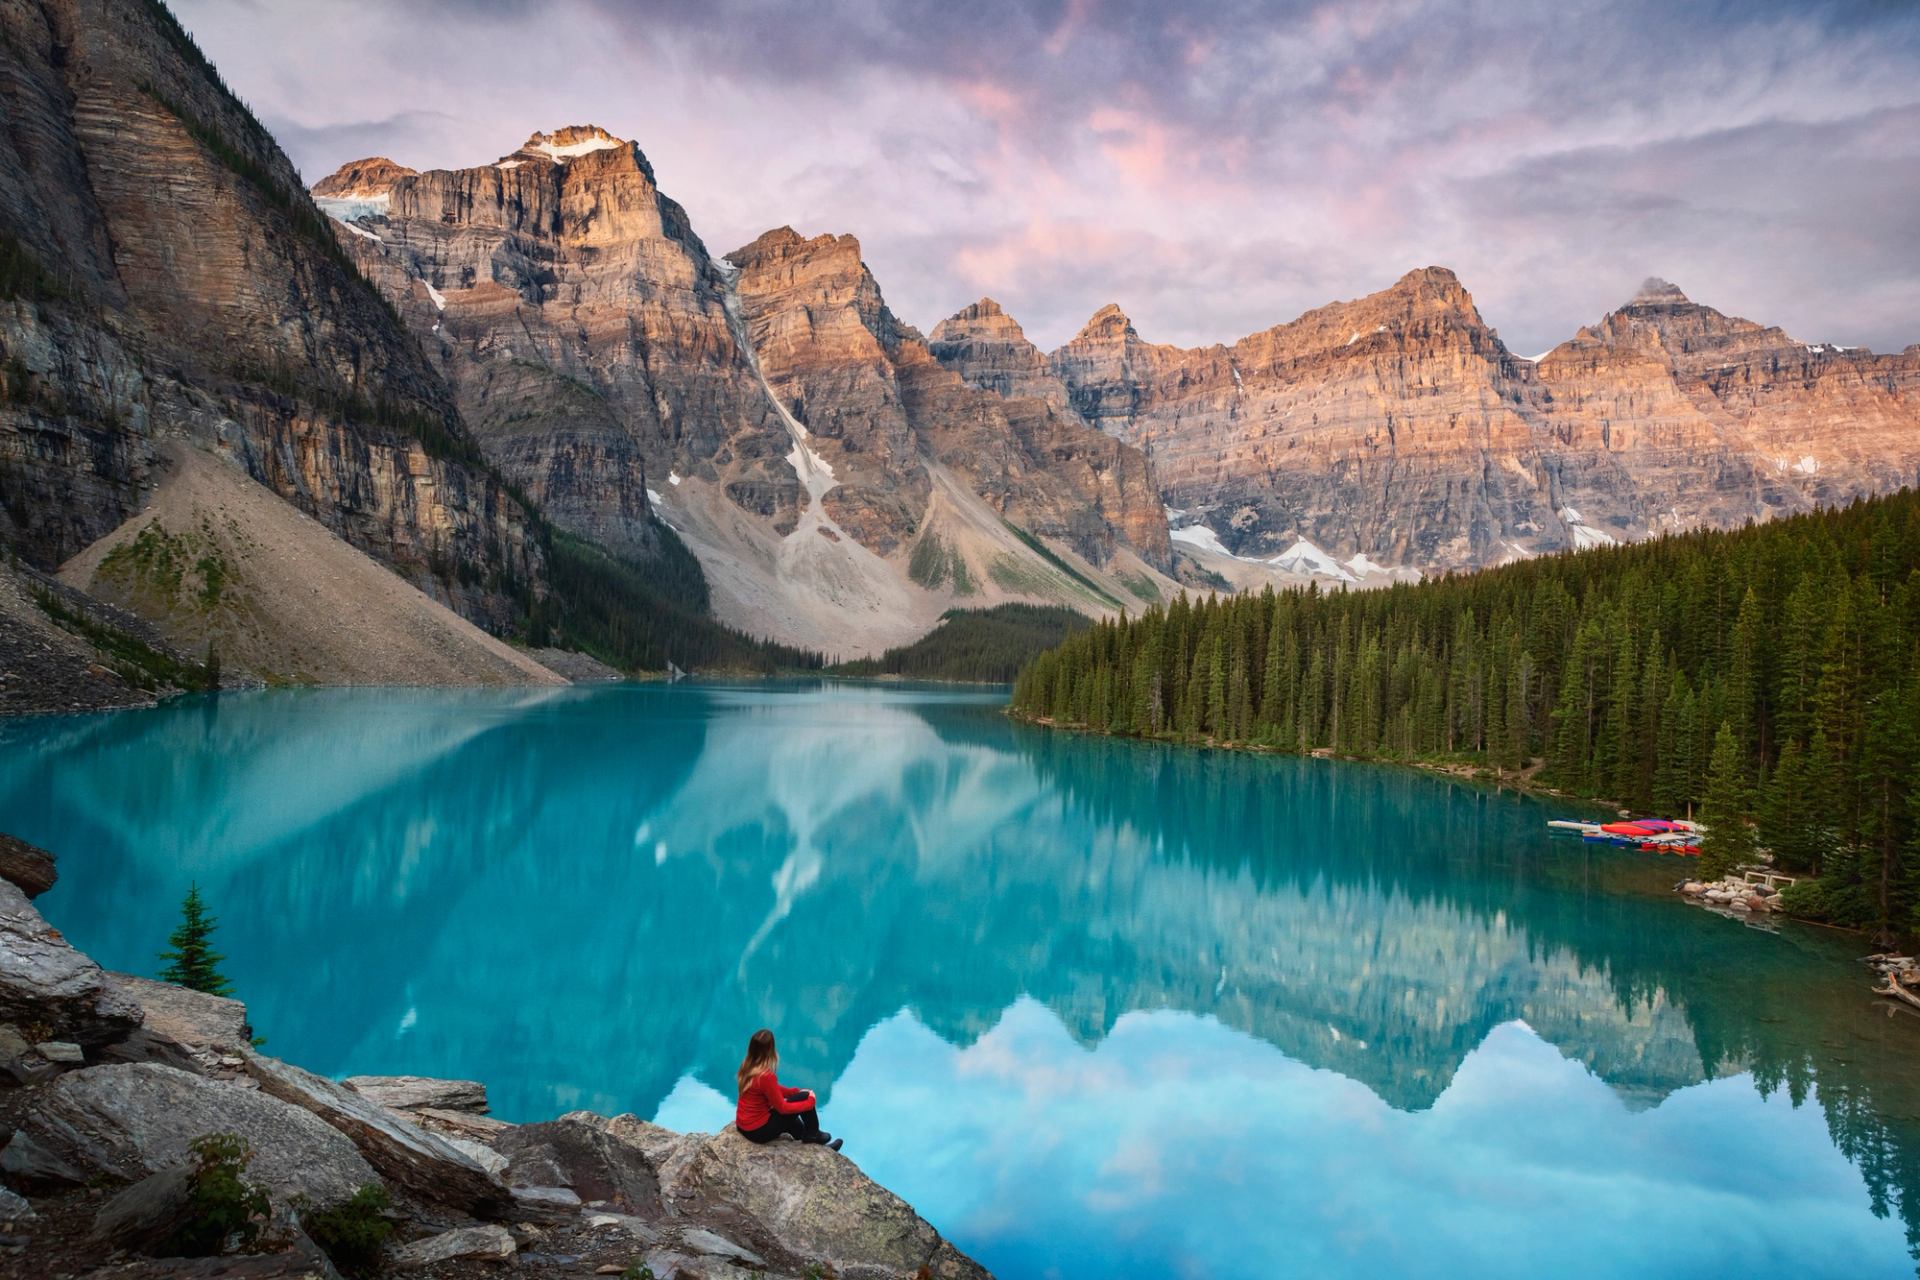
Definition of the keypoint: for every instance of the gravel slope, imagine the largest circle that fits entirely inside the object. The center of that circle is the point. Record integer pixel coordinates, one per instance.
(230, 563)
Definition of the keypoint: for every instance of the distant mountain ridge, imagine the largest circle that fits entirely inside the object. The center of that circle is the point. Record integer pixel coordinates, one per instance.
(1399, 429)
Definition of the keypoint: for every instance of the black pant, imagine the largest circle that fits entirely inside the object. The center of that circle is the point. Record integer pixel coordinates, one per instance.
(804, 1125)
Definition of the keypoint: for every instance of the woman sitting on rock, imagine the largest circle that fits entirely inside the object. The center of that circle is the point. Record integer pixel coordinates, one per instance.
(766, 1110)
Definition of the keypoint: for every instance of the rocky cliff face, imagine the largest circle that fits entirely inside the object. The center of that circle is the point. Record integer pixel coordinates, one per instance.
(167, 277)
(798, 436)
(855, 375)
(580, 322)
(1722, 419)
(1399, 430)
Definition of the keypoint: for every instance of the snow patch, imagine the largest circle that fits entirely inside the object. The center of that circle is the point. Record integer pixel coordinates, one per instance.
(673, 477)
(362, 232)
(1304, 557)
(509, 164)
(1364, 564)
(1585, 535)
(1198, 535)
(1237, 380)
(1571, 516)
(439, 298)
(1355, 338)
(347, 208)
(1808, 466)
(653, 496)
(561, 155)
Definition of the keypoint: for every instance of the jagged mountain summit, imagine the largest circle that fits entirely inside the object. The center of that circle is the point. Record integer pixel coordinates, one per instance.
(1398, 430)
(839, 485)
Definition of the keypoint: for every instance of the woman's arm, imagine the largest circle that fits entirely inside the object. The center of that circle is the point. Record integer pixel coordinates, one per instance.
(777, 1097)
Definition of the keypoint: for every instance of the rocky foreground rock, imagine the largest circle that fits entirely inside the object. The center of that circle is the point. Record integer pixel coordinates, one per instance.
(97, 1165)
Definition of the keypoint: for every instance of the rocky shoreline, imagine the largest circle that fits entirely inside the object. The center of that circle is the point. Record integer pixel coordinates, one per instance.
(108, 1082)
(1733, 896)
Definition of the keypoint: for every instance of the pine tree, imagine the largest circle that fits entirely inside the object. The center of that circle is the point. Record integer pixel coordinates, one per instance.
(191, 962)
(1723, 810)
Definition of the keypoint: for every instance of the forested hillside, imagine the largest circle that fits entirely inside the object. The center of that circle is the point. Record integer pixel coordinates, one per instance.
(1791, 647)
(976, 644)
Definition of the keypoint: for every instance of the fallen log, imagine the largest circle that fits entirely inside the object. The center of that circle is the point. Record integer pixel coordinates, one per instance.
(1897, 992)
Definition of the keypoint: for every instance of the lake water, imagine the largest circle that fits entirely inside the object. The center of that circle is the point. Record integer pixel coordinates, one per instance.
(1095, 1008)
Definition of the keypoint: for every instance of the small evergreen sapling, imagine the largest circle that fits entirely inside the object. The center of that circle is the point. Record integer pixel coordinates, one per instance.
(191, 962)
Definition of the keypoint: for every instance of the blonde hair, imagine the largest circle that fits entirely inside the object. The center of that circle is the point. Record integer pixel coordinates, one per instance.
(761, 1057)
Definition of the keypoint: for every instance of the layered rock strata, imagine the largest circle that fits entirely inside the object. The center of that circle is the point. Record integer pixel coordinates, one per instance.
(1399, 429)
(168, 277)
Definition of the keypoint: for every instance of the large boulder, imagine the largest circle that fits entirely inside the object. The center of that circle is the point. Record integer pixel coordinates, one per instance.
(28, 867)
(131, 1120)
(185, 1016)
(422, 1162)
(44, 981)
(414, 1093)
(578, 1152)
(798, 1204)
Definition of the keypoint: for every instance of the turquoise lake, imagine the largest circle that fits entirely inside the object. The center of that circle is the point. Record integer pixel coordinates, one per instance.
(1095, 1008)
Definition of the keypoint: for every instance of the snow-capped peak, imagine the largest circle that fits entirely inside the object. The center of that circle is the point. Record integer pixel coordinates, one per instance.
(563, 145)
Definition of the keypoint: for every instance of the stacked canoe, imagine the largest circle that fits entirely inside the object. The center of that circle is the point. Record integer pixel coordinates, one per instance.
(1651, 835)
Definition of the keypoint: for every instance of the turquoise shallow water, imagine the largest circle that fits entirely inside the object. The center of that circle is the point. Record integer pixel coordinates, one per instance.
(1095, 1008)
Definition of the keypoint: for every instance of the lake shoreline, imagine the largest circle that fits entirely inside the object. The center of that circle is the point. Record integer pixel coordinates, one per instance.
(1521, 783)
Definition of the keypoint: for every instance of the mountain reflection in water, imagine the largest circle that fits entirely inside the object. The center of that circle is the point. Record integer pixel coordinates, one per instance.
(1094, 1007)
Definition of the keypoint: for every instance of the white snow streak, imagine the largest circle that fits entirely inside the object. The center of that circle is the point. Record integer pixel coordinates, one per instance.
(1198, 535)
(572, 149)
(1304, 557)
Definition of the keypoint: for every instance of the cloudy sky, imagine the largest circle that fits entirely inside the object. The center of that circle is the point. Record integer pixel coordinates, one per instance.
(1215, 169)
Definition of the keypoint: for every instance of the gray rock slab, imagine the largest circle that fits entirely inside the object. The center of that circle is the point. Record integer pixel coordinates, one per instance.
(45, 981)
(480, 1244)
(411, 1093)
(187, 1017)
(130, 1120)
(422, 1162)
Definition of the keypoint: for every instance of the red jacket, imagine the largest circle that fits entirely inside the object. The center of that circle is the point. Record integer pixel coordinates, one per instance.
(763, 1097)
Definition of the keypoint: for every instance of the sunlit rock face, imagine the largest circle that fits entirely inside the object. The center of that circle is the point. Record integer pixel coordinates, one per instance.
(581, 322)
(598, 350)
(193, 291)
(857, 376)
(1401, 428)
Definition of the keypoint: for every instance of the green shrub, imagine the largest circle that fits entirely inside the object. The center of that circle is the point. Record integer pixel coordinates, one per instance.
(353, 1232)
(1827, 902)
(225, 1206)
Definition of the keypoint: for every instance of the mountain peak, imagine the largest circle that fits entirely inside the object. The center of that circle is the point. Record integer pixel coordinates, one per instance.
(569, 141)
(362, 179)
(1108, 322)
(1657, 292)
(984, 320)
